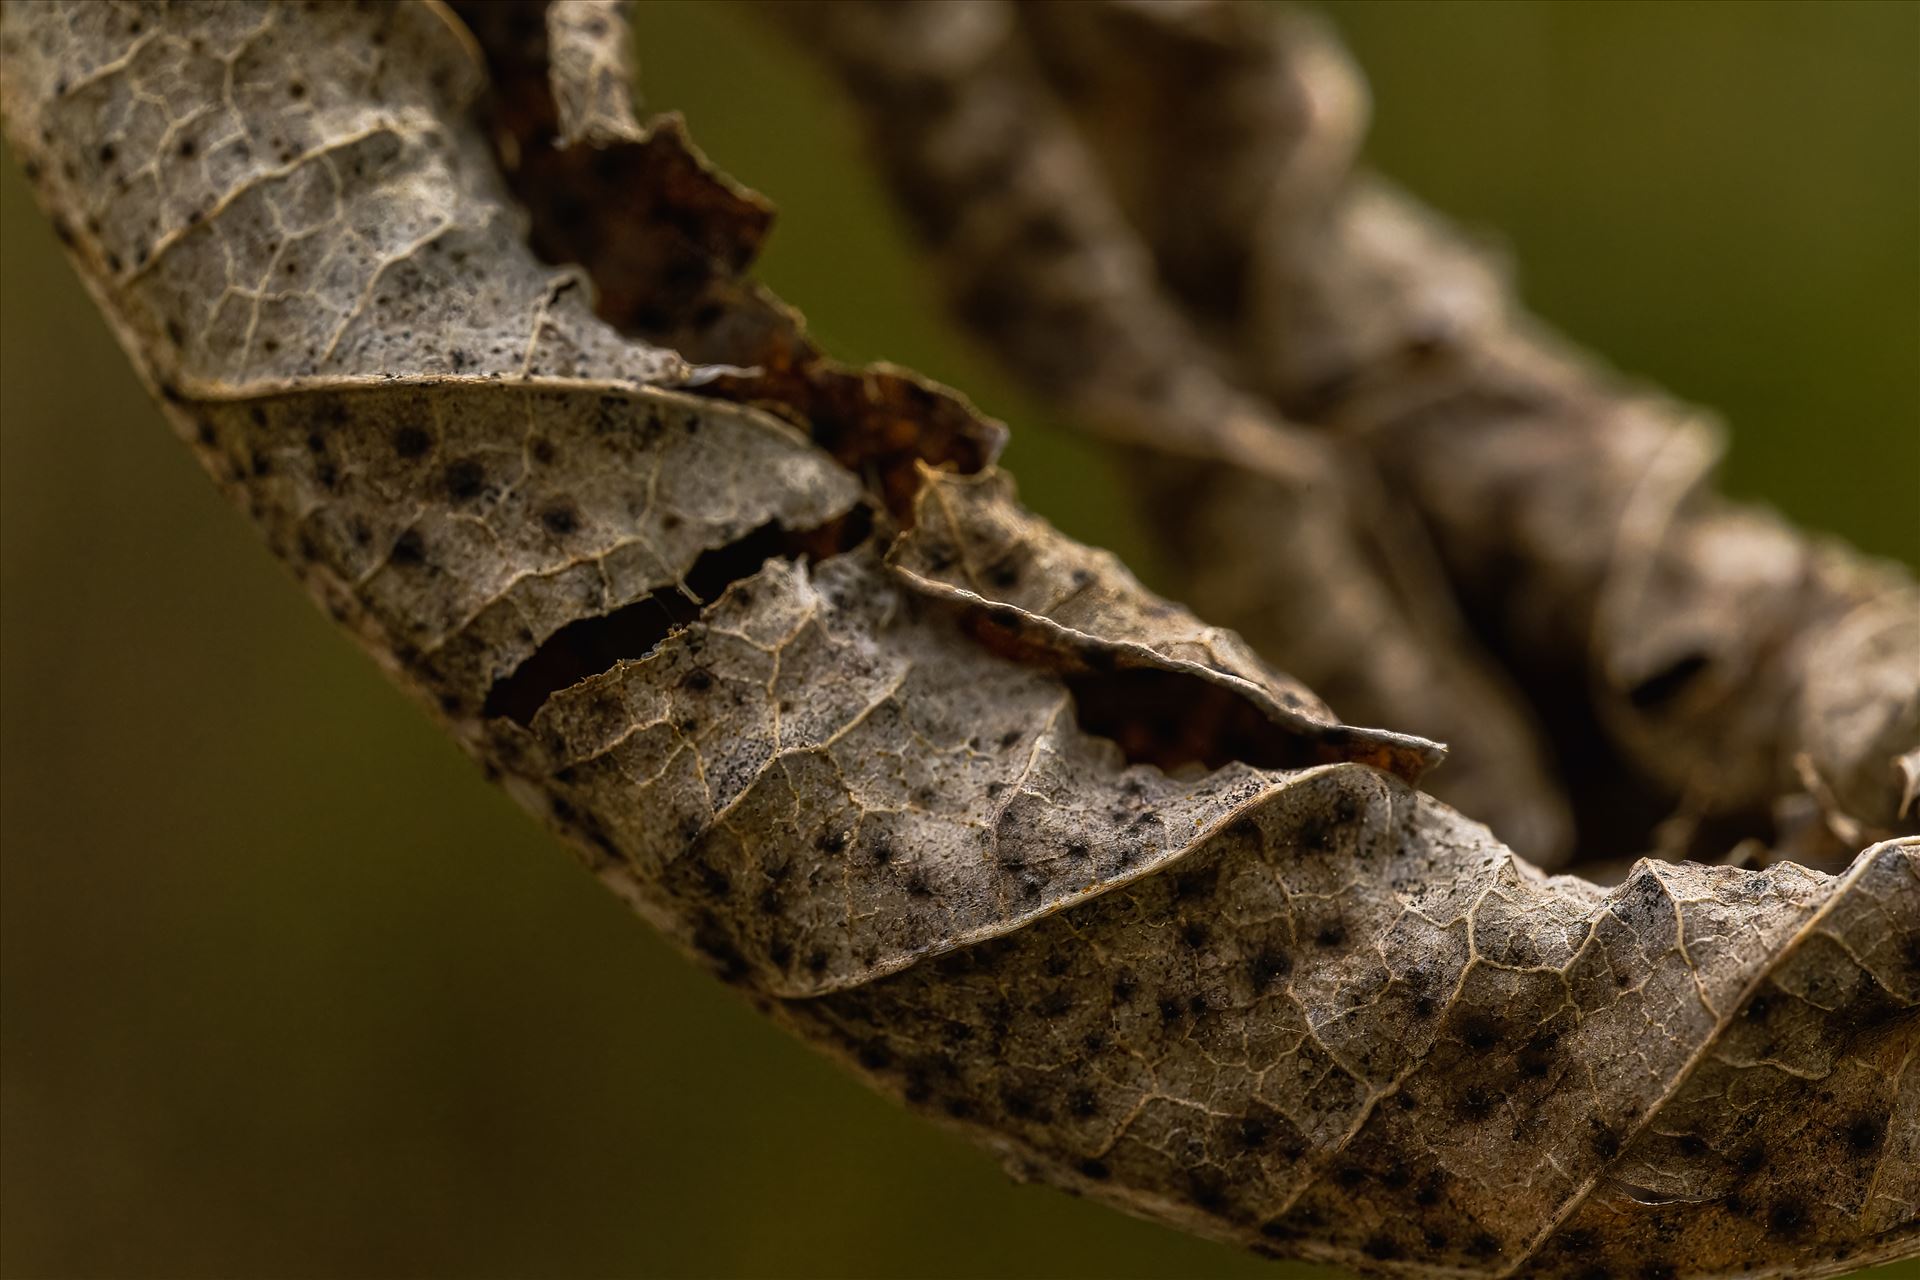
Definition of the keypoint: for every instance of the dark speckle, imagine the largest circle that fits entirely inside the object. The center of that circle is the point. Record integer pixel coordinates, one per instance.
(411, 442)
(1022, 1104)
(1863, 1134)
(1267, 967)
(1195, 886)
(1536, 1059)
(1381, 1248)
(465, 480)
(1479, 1031)
(1207, 1193)
(409, 549)
(1254, 1132)
(1787, 1218)
(560, 519)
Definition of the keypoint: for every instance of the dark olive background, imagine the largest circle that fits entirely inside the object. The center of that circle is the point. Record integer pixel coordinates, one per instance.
(289, 990)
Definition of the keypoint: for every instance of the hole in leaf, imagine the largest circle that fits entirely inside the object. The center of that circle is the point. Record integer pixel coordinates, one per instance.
(583, 649)
(1171, 719)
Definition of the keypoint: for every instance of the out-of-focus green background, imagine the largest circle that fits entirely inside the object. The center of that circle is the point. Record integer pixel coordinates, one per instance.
(289, 990)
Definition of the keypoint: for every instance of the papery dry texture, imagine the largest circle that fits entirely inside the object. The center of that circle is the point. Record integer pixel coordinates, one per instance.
(1149, 212)
(1262, 520)
(770, 641)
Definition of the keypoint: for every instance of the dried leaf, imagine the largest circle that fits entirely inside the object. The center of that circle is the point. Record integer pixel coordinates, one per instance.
(775, 647)
(1350, 1028)
(1711, 648)
(1256, 514)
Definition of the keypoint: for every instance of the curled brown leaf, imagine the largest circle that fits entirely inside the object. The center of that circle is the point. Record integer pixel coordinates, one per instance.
(769, 640)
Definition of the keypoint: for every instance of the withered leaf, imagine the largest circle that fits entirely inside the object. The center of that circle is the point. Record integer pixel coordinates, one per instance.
(1698, 657)
(772, 643)
(1141, 206)
(1269, 527)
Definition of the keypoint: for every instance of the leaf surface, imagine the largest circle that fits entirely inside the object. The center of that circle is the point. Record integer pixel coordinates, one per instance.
(771, 641)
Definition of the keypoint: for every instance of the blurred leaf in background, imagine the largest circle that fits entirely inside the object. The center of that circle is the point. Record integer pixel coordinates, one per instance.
(289, 990)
